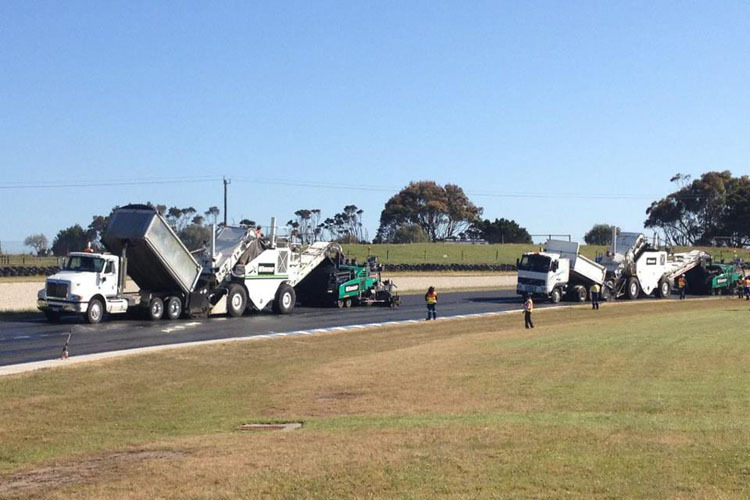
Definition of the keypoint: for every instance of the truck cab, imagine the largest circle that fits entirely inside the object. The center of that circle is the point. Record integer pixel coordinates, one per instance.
(543, 274)
(87, 284)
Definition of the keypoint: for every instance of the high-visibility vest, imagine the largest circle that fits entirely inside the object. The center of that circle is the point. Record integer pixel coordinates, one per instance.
(528, 306)
(681, 282)
(431, 297)
(595, 288)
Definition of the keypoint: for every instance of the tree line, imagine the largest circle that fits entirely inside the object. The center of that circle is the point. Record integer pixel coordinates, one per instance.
(714, 208)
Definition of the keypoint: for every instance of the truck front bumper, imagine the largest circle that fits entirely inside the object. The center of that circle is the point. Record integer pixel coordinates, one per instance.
(523, 289)
(61, 306)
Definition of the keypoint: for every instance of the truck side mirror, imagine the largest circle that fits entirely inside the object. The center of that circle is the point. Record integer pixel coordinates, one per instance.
(517, 262)
(554, 266)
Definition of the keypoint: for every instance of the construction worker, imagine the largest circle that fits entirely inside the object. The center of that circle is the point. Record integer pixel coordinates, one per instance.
(682, 285)
(594, 292)
(431, 298)
(528, 308)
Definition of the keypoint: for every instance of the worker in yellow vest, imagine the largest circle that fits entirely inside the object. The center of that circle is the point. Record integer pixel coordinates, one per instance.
(528, 308)
(594, 292)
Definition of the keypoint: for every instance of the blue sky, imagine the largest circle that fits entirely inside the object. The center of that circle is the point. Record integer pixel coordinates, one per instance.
(558, 115)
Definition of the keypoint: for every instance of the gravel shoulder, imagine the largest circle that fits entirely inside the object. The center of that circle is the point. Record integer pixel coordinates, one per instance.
(20, 296)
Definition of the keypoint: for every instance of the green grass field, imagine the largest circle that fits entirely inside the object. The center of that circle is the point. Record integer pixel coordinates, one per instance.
(420, 253)
(443, 253)
(647, 399)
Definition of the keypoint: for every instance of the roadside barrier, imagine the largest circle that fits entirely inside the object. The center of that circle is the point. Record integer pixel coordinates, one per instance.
(14, 271)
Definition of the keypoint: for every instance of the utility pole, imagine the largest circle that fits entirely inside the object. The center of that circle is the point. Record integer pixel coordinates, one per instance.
(226, 183)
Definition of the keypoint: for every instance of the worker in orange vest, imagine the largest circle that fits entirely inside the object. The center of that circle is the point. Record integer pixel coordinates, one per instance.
(431, 298)
(681, 285)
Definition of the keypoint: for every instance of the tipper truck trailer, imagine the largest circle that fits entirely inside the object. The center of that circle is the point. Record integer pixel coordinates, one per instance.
(558, 271)
(250, 271)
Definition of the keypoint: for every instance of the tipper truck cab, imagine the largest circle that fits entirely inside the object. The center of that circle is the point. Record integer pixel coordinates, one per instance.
(558, 271)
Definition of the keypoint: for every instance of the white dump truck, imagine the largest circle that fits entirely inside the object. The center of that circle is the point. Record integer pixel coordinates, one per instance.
(250, 271)
(558, 271)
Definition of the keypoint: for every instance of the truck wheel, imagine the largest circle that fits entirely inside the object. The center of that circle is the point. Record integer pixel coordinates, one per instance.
(340, 304)
(174, 307)
(95, 311)
(236, 301)
(580, 294)
(348, 303)
(665, 289)
(605, 294)
(555, 296)
(285, 299)
(633, 289)
(155, 309)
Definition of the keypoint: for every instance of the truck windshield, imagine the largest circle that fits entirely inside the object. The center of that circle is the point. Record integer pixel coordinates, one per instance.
(535, 263)
(84, 264)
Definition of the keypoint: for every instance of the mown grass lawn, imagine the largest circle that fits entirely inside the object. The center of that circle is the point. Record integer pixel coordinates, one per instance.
(446, 253)
(647, 399)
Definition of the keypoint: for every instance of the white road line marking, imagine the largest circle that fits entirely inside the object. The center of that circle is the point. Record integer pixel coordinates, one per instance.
(193, 323)
(19, 337)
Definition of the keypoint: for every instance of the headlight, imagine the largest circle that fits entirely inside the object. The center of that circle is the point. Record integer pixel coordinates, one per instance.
(40, 294)
(76, 297)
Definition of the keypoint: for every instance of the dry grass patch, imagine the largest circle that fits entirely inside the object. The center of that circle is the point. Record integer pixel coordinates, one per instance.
(639, 400)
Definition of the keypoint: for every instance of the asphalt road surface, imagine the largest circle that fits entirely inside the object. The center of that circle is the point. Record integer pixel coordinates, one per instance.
(34, 339)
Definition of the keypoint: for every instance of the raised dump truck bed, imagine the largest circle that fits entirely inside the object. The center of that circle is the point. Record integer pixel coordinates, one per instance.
(156, 258)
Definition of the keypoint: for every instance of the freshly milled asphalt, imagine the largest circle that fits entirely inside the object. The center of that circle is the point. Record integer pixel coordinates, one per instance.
(34, 339)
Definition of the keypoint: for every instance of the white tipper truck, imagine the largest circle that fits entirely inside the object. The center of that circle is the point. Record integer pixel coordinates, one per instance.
(559, 271)
(250, 271)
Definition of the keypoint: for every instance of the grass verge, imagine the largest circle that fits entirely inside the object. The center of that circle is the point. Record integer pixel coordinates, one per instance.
(640, 400)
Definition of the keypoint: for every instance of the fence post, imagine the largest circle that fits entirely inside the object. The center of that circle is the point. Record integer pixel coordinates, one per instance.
(497, 254)
(387, 254)
(425, 255)
(462, 255)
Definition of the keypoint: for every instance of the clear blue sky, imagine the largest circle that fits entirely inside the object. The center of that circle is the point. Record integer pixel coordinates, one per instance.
(529, 106)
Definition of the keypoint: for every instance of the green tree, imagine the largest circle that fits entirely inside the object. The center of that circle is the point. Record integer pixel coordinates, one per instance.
(71, 239)
(600, 234)
(410, 233)
(195, 236)
(697, 212)
(38, 242)
(500, 231)
(441, 211)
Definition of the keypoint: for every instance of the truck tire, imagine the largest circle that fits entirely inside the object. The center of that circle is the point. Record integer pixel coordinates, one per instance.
(605, 293)
(95, 311)
(155, 309)
(633, 289)
(348, 303)
(555, 296)
(285, 299)
(236, 300)
(580, 294)
(665, 289)
(174, 307)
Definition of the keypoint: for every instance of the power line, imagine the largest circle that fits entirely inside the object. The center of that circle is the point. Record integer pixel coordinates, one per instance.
(7, 185)
(10, 185)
